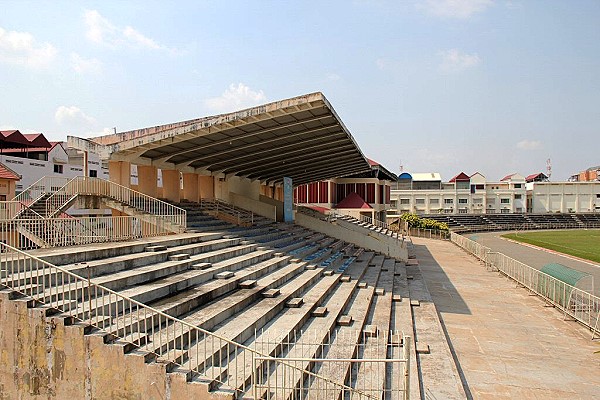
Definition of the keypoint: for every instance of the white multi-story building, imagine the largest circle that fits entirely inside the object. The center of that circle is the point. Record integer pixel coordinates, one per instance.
(33, 157)
(425, 193)
(563, 197)
(463, 194)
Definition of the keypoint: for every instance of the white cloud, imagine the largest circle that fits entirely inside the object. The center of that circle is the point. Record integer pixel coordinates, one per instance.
(84, 65)
(142, 41)
(102, 31)
(529, 144)
(21, 48)
(236, 98)
(454, 60)
(73, 116)
(461, 9)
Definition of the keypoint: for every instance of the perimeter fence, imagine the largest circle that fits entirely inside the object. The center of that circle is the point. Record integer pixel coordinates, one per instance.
(579, 304)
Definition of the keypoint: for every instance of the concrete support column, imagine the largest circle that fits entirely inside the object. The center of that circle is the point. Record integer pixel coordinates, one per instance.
(148, 180)
(120, 172)
(191, 183)
(206, 187)
(86, 168)
(171, 185)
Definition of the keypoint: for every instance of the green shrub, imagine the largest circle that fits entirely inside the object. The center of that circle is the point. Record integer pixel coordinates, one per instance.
(414, 221)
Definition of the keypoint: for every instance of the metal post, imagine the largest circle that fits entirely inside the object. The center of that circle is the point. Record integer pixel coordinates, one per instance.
(89, 293)
(406, 353)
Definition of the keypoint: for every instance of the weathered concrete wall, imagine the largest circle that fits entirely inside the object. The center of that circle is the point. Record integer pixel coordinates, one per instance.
(42, 358)
(257, 207)
(351, 233)
(276, 203)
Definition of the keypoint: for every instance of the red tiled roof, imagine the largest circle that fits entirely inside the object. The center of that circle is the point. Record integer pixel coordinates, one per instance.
(460, 177)
(32, 149)
(353, 200)
(372, 163)
(533, 176)
(507, 177)
(13, 137)
(7, 173)
(37, 139)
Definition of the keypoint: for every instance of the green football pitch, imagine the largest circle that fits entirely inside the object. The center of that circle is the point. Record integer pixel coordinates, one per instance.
(578, 243)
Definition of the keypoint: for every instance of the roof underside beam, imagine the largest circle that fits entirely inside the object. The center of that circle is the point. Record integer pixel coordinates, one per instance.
(251, 148)
(243, 136)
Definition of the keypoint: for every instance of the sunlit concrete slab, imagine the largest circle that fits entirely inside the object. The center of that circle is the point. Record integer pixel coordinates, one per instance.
(507, 344)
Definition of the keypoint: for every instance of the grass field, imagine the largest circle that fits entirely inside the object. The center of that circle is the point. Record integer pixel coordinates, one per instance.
(578, 243)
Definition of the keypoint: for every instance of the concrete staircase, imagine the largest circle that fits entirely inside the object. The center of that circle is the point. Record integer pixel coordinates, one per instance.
(242, 285)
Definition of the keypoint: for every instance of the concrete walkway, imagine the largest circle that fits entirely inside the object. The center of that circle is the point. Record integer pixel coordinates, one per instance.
(506, 344)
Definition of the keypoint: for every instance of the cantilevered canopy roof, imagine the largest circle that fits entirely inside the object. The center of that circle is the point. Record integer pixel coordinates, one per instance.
(301, 138)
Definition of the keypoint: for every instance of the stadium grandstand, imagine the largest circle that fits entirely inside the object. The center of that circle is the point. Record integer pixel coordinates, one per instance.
(202, 279)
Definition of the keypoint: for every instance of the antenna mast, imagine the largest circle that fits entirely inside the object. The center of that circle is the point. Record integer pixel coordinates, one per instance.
(548, 168)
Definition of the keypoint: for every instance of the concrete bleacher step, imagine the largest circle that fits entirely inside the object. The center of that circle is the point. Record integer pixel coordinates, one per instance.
(327, 291)
(242, 326)
(319, 328)
(289, 290)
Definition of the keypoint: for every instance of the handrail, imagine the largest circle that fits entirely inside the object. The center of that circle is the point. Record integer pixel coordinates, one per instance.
(61, 232)
(242, 216)
(46, 184)
(125, 319)
(10, 209)
(581, 305)
(81, 185)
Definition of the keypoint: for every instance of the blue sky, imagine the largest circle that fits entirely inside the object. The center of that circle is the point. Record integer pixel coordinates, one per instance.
(450, 85)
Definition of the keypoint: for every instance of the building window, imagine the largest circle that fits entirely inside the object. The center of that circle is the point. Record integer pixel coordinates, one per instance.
(517, 197)
(404, 201)
(504, 201)
(463, 201)
(518, 185)
(93, 173)
(58, 169)
(491, 200)
(434, 201)
(419, 201)
(478, 200)
(448, 201)
(462, 211)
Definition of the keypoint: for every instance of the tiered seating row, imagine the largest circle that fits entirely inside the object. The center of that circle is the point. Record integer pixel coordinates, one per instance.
(232, 282)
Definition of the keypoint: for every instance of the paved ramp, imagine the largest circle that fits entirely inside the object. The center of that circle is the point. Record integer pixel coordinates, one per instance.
(506, 343)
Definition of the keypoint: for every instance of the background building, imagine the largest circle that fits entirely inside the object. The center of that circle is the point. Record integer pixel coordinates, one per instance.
(425, 193)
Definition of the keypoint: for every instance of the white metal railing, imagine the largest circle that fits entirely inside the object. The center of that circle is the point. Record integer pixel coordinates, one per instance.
(47, 184)
(128, 321)
(100, 187)
(352, 365)
(575, 302)
(10, 209)
(227, 212)
(428, 233)
(60, 232)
